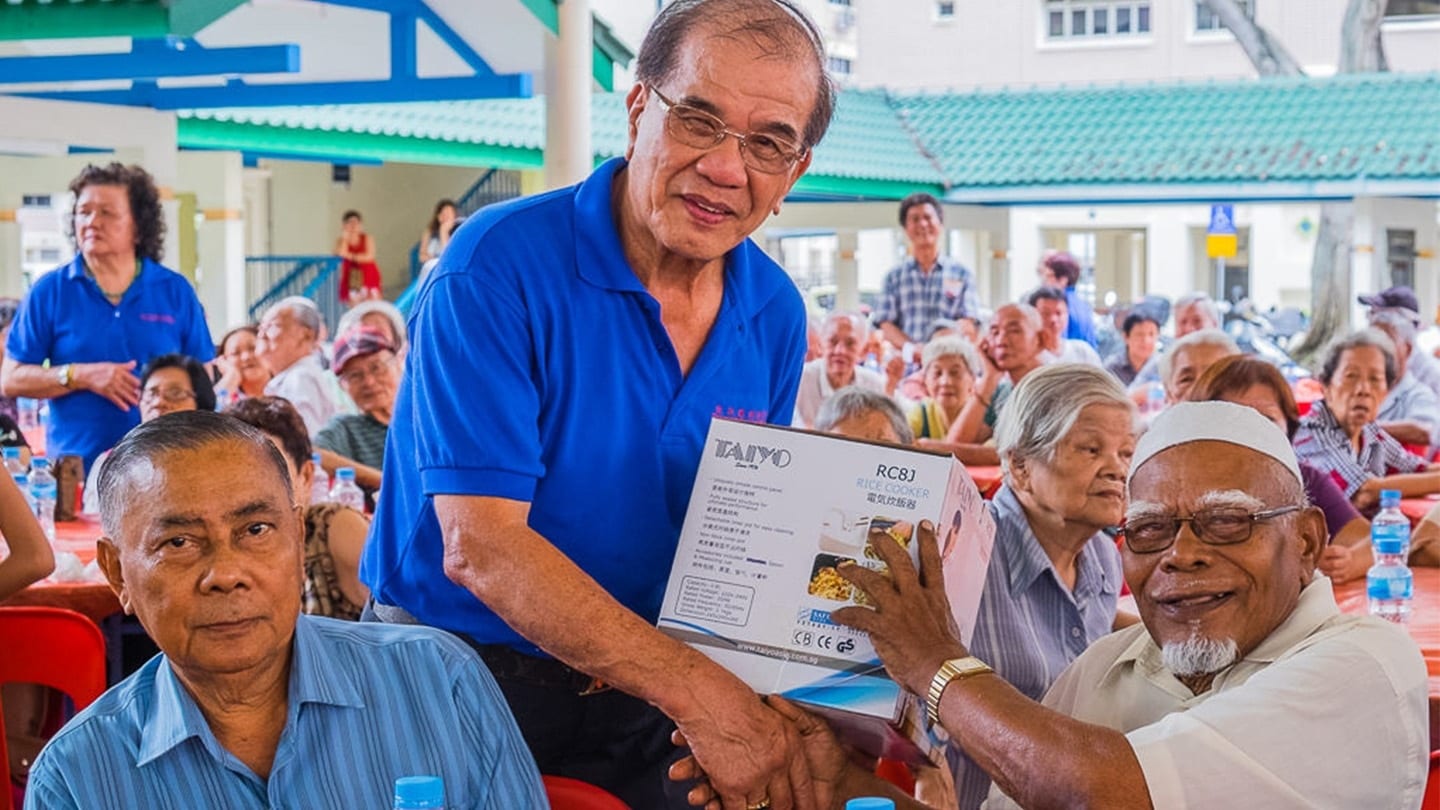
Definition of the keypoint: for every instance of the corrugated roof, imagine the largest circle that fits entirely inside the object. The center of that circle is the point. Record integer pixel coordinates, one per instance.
(1364, 127)
(1377, 126)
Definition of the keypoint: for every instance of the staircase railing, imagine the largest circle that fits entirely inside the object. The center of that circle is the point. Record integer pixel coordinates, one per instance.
(493, 186)
(271, 278)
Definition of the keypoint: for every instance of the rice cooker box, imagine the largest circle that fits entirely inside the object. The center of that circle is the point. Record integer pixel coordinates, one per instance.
(774, 511)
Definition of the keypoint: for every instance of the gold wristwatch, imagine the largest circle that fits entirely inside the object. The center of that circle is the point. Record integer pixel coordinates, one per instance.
(65, 374)
(956, 669)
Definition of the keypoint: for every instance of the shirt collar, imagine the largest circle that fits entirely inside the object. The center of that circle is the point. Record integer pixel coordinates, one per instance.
(603, 264)
(176, 717)
(1315, 606)
(1026, 561)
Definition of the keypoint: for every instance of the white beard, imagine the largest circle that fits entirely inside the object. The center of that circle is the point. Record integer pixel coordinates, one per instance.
(1198, 656)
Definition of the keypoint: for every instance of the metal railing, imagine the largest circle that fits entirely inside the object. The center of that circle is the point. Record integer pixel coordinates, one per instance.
(271, 278)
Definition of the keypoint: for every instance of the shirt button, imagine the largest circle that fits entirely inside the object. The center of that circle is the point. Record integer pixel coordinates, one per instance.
(117, 313)
(1074, 632)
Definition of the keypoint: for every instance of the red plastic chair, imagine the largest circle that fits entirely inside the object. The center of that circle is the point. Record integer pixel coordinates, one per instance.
(53, 647)
(572, 794)
(1431, 800)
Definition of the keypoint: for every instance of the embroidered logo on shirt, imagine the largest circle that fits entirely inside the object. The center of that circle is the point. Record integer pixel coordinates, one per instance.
(157, 317)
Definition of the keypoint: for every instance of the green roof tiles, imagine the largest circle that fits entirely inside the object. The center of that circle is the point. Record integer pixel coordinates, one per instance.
(1366, 127)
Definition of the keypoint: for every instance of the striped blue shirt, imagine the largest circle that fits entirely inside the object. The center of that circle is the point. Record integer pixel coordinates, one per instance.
(1030, 625)
(368, 703)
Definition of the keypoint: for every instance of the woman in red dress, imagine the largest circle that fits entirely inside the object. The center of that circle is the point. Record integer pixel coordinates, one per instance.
(357, 250)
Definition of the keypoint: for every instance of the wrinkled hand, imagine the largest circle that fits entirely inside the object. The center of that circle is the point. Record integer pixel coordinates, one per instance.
(827, 760)
(114, 381)
(988, 359)
(910, 625)
(1340, 564)
(748, 753)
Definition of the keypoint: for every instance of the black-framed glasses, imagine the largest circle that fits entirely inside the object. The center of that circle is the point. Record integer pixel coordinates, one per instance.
(699, 129)
(171, 395)
(1216, 527)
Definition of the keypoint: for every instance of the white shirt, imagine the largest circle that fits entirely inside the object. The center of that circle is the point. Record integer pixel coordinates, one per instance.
(815, 389)
(1073, 351)
(1329, 711)
(314, 392)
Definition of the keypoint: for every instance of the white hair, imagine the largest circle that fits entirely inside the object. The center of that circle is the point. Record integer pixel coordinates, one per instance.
(1204, 337)
(857, 323)
(852, 401)
(1198, 655)
(1045, 405)
(951, 346)
(303, 310)
(1204, 302)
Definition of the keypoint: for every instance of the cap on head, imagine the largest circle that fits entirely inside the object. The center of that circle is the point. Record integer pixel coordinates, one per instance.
(359, 341)
(1214, 421)
(1398, 297)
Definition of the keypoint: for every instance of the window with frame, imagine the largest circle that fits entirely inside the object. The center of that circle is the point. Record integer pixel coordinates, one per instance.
(1400, 255)
(945, 10)
(1410, 9)
(1207, 20)
(839, 65)
(1084, 19)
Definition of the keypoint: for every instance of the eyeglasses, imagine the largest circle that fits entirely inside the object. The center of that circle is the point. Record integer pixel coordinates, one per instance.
(1216, 527)
(698, 129)
(375, 368)
(171, 395)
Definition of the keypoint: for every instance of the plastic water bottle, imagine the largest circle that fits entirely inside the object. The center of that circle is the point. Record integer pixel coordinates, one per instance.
(320, 487)
(345, 491)
(870, 803)
(43, 490)
(1154, 400)
(419, 792)
(29, 421)
(22, 483)
(1389, 584)
(14, 465)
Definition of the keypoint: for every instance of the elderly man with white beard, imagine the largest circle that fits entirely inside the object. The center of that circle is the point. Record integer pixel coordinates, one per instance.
(1244, 686)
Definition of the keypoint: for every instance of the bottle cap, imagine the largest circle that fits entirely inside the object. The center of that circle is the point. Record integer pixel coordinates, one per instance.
(21, 480)
(346, 473)
(315, 457)
(418, 792)
(12, 452)
(870, 803)
(39, 463)
(1389, 497)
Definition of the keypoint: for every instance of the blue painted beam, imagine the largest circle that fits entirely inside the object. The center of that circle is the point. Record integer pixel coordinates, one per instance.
(402, 46)
(151, 59)
(456, 42)
(240, 94)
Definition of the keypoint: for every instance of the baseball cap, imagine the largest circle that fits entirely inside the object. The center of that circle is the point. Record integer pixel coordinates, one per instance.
(359, 341)
(1398, 297)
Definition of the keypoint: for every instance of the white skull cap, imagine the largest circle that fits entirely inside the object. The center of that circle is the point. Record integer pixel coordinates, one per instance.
(1186, 422)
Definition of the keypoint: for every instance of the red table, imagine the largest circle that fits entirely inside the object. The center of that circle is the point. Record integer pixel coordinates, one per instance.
(1416, 508)
(94, 599)
(987, 479)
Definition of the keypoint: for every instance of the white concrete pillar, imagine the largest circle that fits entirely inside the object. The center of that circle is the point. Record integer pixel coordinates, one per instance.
(217, 179)
(568, 65)
(1365, 265)
(847, 270)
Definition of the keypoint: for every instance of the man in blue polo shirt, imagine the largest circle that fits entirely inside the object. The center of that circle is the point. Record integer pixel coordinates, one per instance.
(569, 352)
(102, 316)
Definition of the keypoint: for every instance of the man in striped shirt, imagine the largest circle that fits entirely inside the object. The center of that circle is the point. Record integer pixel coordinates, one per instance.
(250, 704)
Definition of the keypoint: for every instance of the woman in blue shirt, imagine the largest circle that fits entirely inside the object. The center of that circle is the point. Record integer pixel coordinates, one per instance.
(103, 316)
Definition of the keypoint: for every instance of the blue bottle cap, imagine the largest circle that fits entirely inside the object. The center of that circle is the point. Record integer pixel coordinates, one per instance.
(12, 452)
(1389, 497)
(419, 793)
(39, 463)
(870, 803)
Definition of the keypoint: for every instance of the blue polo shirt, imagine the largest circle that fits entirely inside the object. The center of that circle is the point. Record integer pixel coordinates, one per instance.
(66, 318)
(540, 371)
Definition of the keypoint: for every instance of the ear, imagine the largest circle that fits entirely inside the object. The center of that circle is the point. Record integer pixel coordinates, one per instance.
(1313, 535)
(634, 106)
(108, 557)
(1019, 478)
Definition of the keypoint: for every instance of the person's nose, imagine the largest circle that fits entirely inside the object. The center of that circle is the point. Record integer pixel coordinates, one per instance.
(228, 569)
(724, 165)
(1187, 552)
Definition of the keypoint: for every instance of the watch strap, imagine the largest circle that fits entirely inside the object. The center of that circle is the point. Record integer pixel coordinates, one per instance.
(956, 669)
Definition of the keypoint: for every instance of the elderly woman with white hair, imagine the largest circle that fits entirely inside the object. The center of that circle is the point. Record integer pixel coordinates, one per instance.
(860, 413)
(1065, 441)
(380, 315)
(950, 365)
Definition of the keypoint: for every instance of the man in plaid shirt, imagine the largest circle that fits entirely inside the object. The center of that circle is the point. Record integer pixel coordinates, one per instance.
(1340, 437)
(925, 287)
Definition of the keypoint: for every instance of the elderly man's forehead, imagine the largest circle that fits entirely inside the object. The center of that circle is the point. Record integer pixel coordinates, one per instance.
(1173, 474)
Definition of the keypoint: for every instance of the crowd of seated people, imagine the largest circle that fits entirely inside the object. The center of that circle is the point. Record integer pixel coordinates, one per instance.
(293, 667)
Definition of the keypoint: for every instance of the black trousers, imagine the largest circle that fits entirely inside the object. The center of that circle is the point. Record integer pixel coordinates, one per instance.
(606, 738)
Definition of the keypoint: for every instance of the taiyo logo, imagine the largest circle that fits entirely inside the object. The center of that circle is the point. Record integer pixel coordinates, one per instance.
(752, 455)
